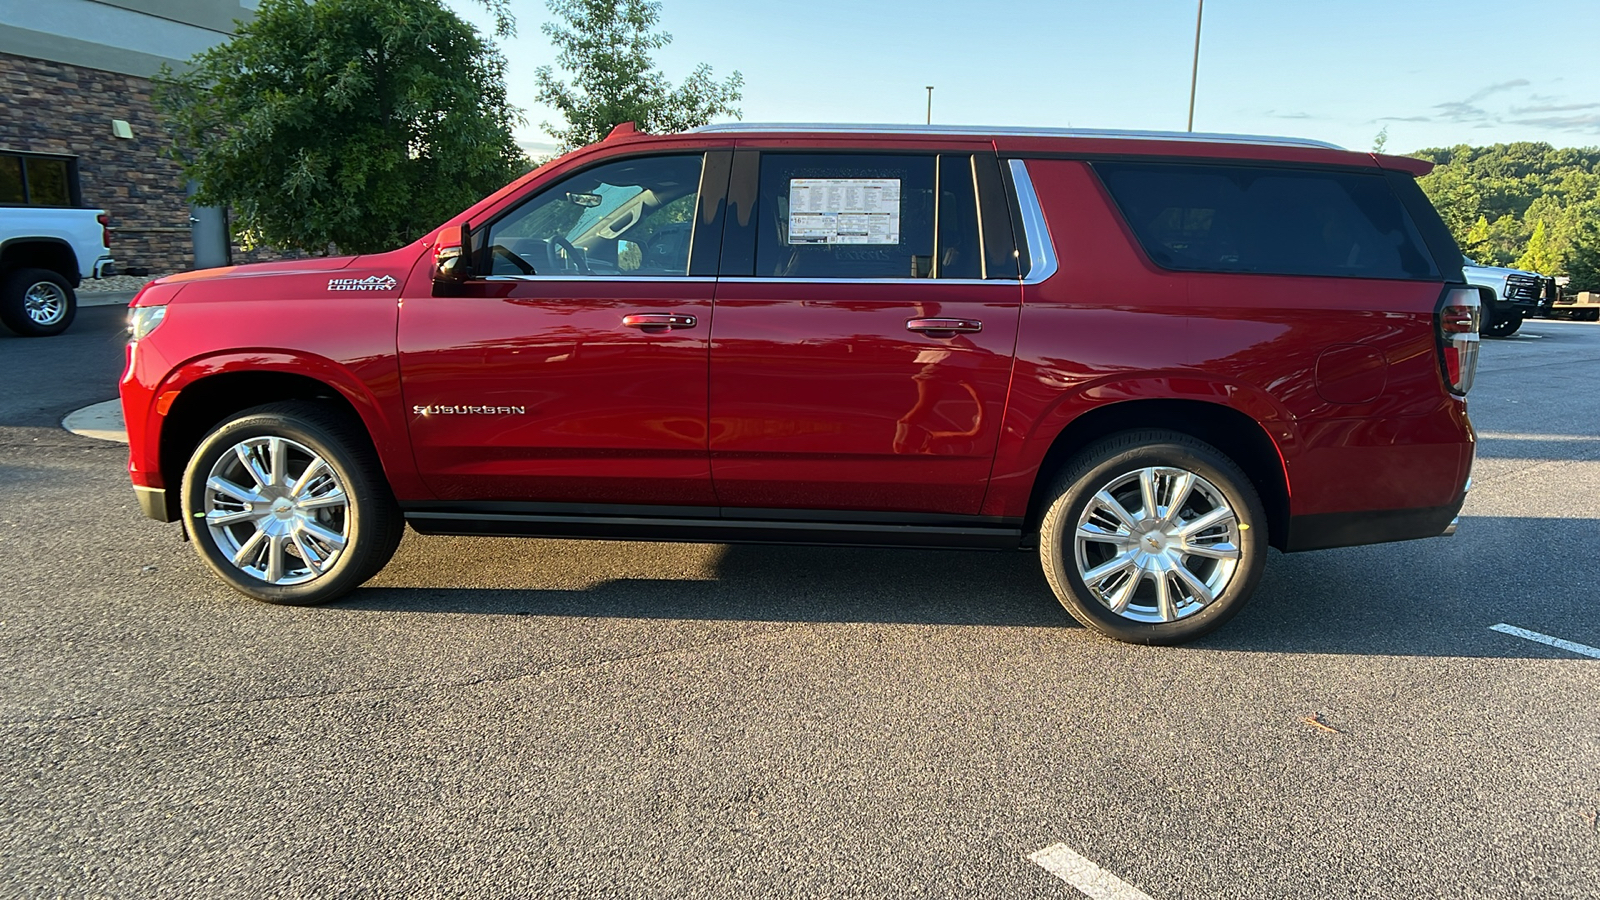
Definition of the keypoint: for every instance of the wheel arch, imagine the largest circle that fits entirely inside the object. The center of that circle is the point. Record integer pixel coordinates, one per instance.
(49, 253)
(1234, 433)
(191, 410)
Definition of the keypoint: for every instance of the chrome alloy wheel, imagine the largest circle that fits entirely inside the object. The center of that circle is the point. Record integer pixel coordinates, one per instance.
(1157, 544)
(45, 303)
(277, 510)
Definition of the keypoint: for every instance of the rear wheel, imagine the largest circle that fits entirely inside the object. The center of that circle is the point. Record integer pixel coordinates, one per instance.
(36, 302)
(1153, 537)
(287, 503)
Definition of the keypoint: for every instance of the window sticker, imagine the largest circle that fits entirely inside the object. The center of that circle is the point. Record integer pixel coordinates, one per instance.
(844, 211)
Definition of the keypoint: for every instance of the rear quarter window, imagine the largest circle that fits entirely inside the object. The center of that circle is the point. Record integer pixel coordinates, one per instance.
(1260, 219)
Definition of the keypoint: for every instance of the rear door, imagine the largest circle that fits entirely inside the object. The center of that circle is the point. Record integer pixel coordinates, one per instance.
(866, 322)
(574, 370)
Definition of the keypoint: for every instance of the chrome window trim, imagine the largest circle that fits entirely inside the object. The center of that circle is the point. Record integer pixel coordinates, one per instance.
(591, 279)
(1041, 249)
(751, 279)
(1263, 140)
(928, 282)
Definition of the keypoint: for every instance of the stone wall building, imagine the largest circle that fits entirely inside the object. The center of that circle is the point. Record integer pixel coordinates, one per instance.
(75, 86)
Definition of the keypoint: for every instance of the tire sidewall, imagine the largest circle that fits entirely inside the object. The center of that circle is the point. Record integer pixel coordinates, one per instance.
(13, 306)
(1078, 486)
(346, 574)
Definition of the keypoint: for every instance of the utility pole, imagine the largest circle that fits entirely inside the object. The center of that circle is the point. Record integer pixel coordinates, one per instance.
(930, 104)
(1194, 73)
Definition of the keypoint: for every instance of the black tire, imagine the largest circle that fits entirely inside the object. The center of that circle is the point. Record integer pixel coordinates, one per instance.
(1503, 324)
(36, 302)
(369, 521)
(1107, 464)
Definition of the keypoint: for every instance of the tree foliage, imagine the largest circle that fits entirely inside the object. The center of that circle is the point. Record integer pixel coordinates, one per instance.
(606, 46)
(1583, 264)
(1522, 204)
(356, 123)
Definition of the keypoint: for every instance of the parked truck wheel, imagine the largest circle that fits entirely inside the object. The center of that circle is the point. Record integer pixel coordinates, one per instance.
(36, 302)
(1501, 325)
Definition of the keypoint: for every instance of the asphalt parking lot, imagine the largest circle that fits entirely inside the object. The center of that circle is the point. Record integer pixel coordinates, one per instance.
(501, 718)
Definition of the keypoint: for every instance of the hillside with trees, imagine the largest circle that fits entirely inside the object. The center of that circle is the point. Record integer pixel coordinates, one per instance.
(1527, 205)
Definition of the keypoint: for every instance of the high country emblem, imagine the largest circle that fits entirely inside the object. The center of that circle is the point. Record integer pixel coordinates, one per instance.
(370, 283)
(437, 410)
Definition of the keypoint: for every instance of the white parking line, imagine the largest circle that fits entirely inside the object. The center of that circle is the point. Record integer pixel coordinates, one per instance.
(1060, 860)
(1518, 436)
(1538, 638)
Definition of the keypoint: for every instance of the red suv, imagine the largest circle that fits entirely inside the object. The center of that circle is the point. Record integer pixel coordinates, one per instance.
(1150, 356)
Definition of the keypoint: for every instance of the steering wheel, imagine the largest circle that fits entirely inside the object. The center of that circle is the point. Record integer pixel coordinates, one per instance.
(521, 264)
(573, 253)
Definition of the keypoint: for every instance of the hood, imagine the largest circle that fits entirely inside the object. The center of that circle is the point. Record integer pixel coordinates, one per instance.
(281, 267)
(1496, 271)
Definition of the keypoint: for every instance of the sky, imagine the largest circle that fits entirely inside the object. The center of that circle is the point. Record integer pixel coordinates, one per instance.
(1434, 72)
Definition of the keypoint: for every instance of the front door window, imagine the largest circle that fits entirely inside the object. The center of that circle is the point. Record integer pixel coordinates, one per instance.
(627, 219)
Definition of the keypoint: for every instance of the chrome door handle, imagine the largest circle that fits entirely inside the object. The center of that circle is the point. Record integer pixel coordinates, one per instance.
(943, 327)
(654, 322)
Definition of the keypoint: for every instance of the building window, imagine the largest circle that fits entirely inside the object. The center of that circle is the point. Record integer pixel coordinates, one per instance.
(30, 179)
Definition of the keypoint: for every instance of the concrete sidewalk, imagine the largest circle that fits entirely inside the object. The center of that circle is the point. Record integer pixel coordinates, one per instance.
(104, 298)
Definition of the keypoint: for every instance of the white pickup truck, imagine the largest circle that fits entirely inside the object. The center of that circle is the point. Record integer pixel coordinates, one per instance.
(45, 253)
(1509, 296)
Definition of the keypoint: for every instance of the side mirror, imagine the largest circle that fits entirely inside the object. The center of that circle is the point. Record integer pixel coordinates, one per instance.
(452, 266)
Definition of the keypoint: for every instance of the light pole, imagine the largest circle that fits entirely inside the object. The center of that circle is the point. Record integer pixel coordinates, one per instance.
(1194, 73)
(930, 104)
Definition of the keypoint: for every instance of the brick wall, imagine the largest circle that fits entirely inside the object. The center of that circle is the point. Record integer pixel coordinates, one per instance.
(48, 107)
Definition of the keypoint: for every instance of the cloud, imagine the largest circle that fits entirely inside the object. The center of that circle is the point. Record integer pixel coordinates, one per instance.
(1460, 111)
(1550, 108)
(1497, 88)
(537, 148)
(1543, 111)
(1589, 124)
(1293, 115)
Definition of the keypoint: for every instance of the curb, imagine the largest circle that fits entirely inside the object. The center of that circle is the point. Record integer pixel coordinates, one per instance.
(105, 298)
(102, 421)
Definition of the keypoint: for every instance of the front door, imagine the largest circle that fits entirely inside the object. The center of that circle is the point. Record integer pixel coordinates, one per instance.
(574, 370)
(861, 361)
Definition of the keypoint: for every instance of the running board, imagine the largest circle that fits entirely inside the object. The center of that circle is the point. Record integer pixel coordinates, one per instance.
(982, 534)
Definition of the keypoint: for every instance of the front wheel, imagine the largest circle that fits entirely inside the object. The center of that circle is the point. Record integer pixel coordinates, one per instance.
(287, 503)
(1503, 324)
(1153, 537)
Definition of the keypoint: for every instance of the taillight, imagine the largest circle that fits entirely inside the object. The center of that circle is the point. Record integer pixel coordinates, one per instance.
(105, 229)
(1459, 315)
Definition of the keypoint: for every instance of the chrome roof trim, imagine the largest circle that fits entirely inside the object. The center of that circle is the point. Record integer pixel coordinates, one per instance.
(980, 131)
(1041, 249)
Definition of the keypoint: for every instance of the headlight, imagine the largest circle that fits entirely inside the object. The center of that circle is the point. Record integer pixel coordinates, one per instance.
(143, 319)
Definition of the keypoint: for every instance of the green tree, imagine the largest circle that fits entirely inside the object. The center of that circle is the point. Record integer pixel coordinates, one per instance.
(1539, 256)
(1477, 239)
(1380, 140)
(606, 46)
(1583, 265)
(355, 123)
(1514, 187)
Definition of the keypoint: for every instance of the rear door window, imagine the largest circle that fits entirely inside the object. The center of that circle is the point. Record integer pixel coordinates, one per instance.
(1220, 218)
(845, 216)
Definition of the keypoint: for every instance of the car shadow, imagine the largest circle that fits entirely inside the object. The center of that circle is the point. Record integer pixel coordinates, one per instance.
(1436, 597)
